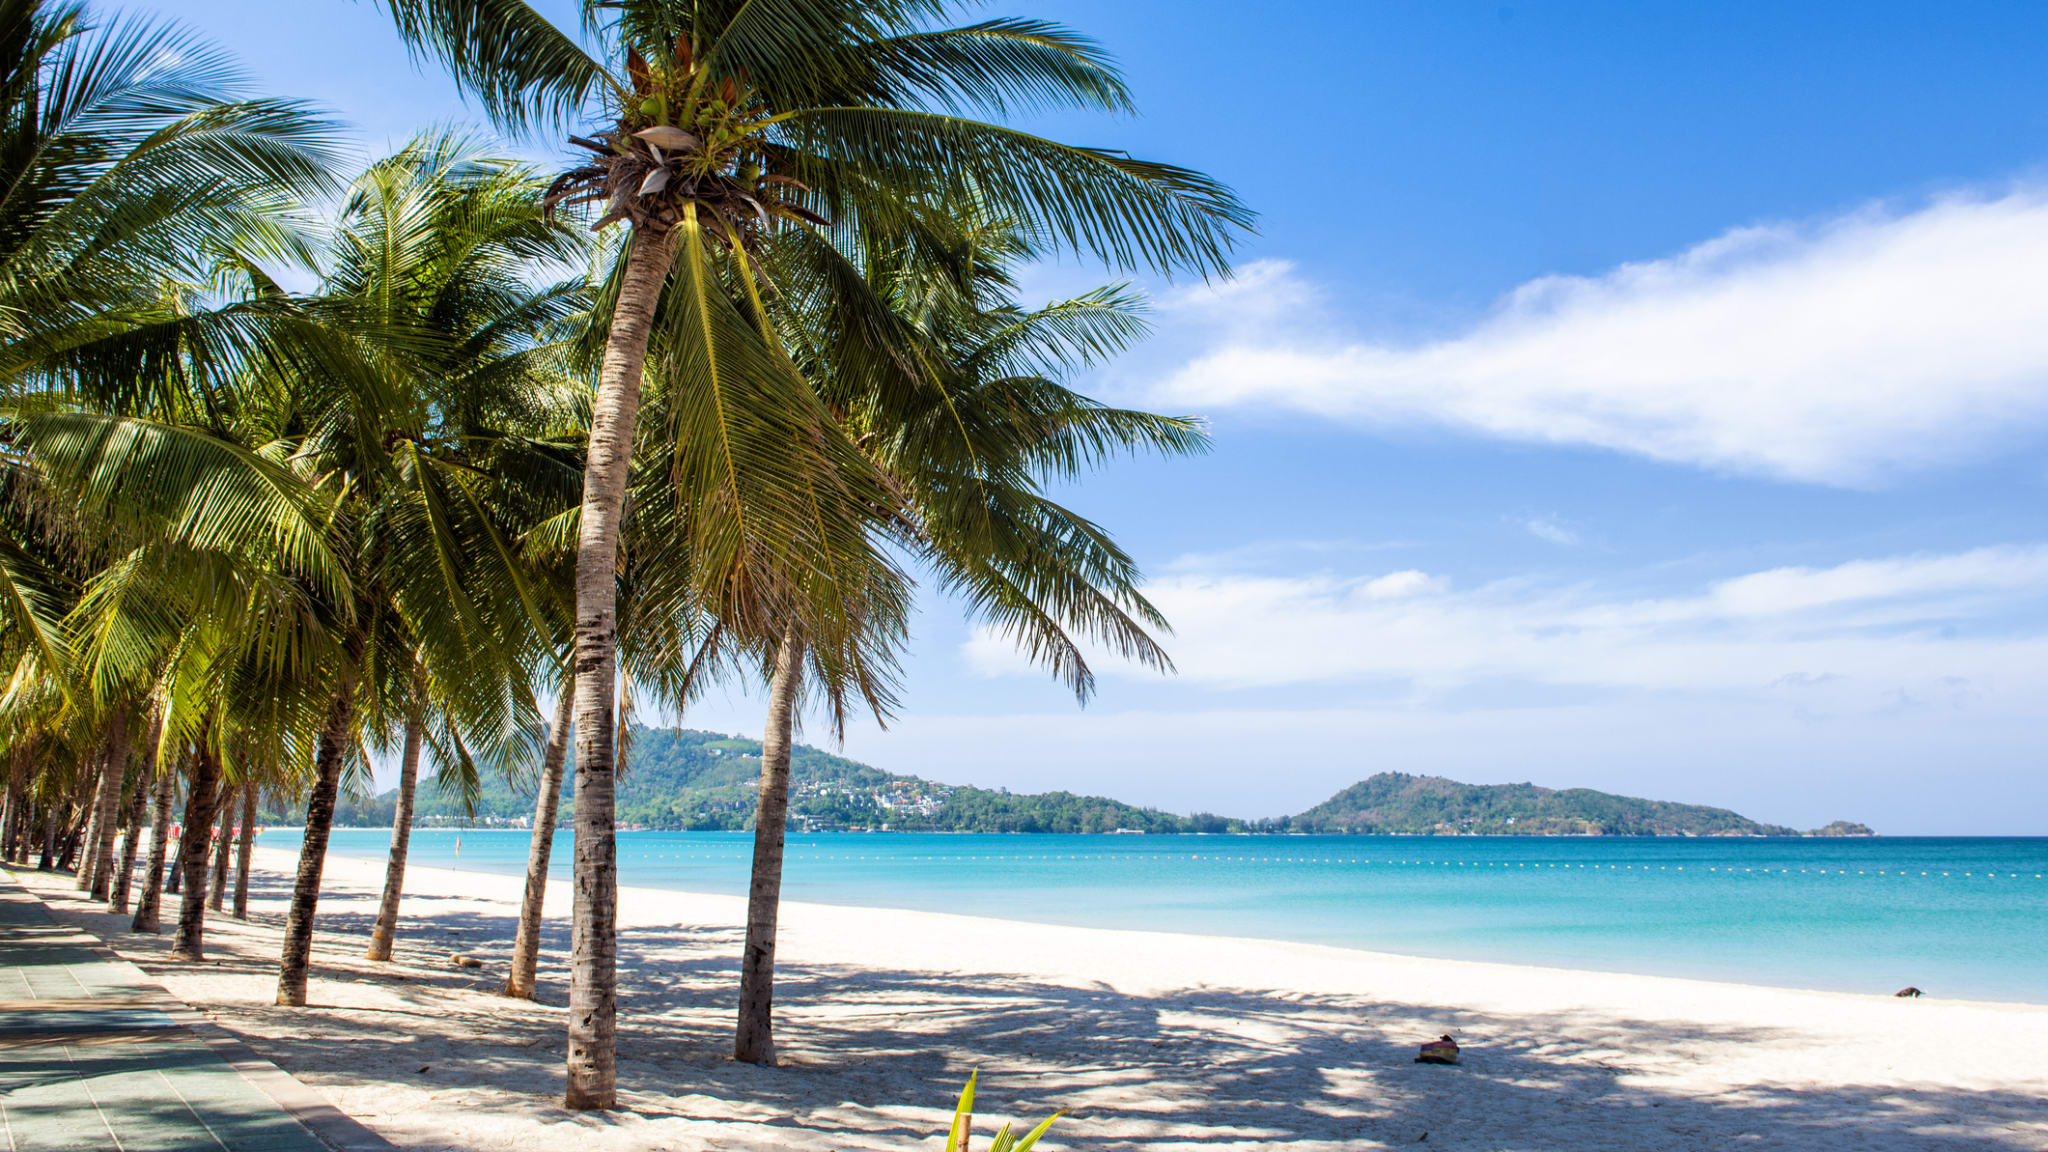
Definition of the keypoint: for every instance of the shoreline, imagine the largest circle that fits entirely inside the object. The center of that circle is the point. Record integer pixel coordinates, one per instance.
(1801, 836)
(1210, 929)
(1335, 954)
(1151, 1040)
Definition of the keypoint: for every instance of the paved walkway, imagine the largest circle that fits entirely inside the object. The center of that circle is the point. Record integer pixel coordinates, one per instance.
(93, 1056)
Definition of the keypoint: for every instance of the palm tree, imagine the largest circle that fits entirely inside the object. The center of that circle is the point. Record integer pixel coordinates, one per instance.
(386, 926)
(225, 643)
(96, 861)
(224, 845)
(202, 798)
(429, 273)
(17, 797)
(519, 974)
(248, 847)
(187, 532)
(290, 446)
(96, 847)
(129, 162)
(953, 389)
(174, 521)
(138, 805)
(721, 124)
(148, 914)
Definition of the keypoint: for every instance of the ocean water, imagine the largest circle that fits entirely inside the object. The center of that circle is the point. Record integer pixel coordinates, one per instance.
(1960, 918)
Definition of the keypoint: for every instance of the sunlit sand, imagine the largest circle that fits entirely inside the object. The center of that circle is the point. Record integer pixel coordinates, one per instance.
(1148, 1040)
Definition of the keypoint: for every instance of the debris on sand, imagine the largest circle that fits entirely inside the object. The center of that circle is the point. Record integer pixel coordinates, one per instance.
(1442, 1050)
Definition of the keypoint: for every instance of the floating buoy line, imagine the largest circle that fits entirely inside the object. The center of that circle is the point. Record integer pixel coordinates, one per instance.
(1716, 870)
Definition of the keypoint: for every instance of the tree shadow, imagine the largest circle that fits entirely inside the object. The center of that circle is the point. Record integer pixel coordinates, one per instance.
(875, 1056)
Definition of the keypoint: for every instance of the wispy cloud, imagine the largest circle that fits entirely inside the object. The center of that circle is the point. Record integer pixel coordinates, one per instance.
(1840, 352)
(1853, 636)
(1552, 529)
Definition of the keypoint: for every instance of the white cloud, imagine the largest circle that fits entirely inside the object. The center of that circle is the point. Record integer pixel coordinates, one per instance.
(1841, 352)
(1257, 294)
(1552, 529)
(1936, 584)
(1401, 585)
(1859, 636)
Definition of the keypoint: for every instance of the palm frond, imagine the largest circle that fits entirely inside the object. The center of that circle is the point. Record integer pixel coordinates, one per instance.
(1132, 213)
(525, 72)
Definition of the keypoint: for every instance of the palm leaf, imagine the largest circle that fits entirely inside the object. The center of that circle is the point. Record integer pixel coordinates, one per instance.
(1132, 213)
(183, 486)
(524, 71)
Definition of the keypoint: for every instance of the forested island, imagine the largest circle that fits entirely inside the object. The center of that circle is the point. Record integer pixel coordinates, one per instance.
(1395, 803)
(687, 780)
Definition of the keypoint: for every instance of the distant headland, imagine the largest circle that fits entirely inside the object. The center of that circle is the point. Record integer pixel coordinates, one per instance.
(681, 779)
(1395, 803)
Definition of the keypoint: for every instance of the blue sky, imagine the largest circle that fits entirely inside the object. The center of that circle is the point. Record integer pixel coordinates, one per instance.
(1640, 396)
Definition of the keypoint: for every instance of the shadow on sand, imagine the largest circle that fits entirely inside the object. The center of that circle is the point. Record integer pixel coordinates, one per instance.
(877, 1054)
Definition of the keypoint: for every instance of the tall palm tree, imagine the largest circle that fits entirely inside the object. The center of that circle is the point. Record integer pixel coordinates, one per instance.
(469, 229)
(183, 529)
(248, 847)
(385, 929)
(138, 808)
(113, 772)
(17, 796)
(519, 972)
(224, 844)
(129, 160)
(954, 390)
(149, 904)
(430, 274)
(717, 125)
(202, 800)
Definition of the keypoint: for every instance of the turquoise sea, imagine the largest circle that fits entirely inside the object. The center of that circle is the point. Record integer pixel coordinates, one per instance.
(1961, 918)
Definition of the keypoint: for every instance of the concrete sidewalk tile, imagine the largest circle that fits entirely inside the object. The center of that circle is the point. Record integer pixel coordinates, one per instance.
(94, 1058)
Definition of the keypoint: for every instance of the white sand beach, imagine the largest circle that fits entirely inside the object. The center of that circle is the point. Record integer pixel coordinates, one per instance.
(1147, 1040)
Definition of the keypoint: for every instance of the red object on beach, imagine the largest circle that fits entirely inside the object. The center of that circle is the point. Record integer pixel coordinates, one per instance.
(1442, 1050)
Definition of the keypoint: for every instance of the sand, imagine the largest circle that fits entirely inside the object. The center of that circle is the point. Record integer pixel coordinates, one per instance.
(1147, 1040)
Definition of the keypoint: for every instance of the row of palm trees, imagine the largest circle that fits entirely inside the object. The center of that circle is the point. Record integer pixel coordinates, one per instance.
(288, 491)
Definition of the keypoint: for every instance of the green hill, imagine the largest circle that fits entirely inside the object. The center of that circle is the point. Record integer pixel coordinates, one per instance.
(683, 779)
(1394, 803)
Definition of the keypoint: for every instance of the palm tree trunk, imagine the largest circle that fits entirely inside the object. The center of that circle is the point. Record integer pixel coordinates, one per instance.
(755, 1040)
(25, 832)
(68, 836)
(148, 909)
(401, 840)
(223, 844)
(52, 825)
(546, 805)
(111, 776)
(248, 846)
(200, 805)
(13, 836)
(138, 803)
(69, 857)
(124, 864)
(297, 956)
(593, 922)
(92, 816)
